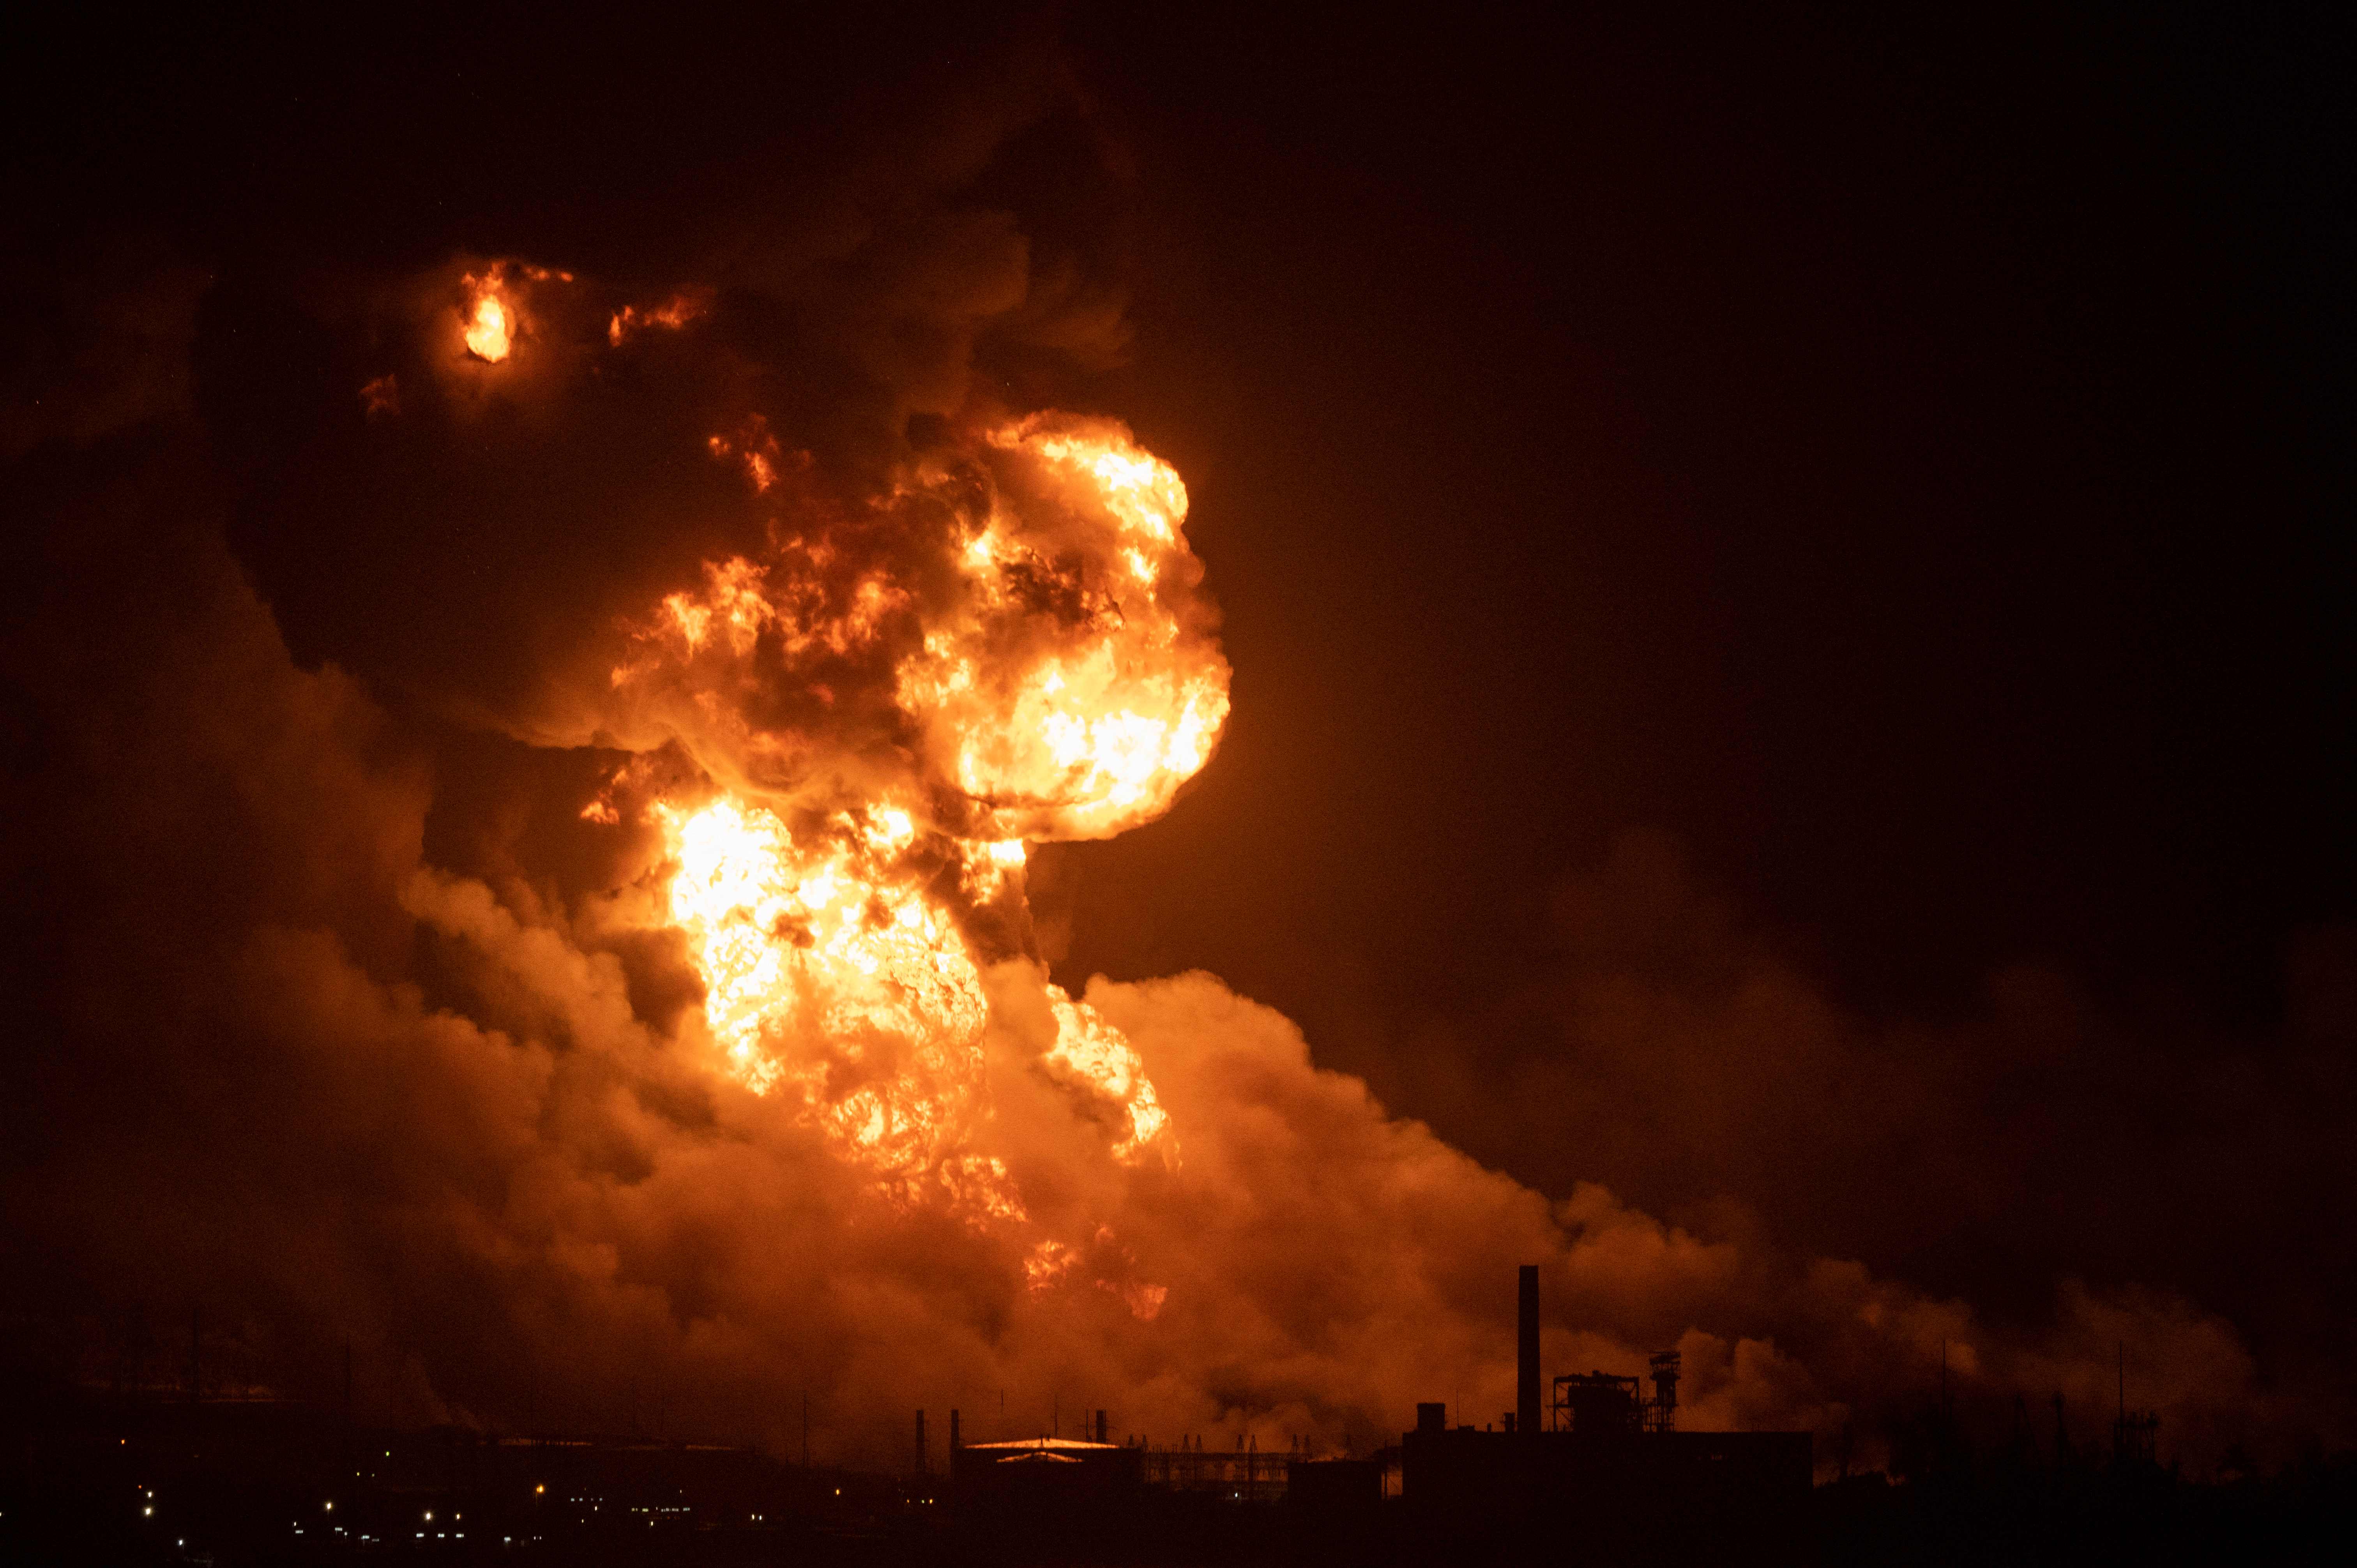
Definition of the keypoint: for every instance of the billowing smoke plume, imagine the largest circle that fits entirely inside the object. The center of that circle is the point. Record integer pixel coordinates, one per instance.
(596, 978)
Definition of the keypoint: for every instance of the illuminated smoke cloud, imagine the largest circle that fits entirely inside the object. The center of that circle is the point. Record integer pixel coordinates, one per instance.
(742, 1078)
(845, 736)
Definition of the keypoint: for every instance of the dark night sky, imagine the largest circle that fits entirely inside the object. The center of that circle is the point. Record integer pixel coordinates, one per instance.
(1903, 461)
(1853, 498)
(1905, 466)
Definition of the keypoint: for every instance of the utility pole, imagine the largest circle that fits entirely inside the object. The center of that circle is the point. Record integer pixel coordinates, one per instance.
(2120, 1446)
(1526, 1353)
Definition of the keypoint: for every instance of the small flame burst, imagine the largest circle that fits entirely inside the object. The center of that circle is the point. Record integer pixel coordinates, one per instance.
(489, 333)
(672, 315)
(755, 447)
(494, 315)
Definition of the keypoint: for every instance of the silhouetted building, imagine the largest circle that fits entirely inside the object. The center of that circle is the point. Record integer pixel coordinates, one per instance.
(1042, 1472)
(1608, 1458)
(1335, 1486)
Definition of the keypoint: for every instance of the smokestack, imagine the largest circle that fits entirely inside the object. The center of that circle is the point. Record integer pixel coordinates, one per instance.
(1526, 1368)
(1101, 1426)
(920, 1442)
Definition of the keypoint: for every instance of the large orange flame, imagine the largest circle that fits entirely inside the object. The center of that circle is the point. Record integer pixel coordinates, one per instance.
(1083, 736)
(1044, 649)
(1057, 681)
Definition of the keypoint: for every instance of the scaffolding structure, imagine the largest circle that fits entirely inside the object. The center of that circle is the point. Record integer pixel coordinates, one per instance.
(1247, 1475)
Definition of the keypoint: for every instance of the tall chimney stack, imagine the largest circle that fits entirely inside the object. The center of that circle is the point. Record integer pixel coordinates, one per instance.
(921, 1467)
(1526, 1366)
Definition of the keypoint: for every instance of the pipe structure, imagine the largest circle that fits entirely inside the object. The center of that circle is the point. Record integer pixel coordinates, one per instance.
(1526, 1360)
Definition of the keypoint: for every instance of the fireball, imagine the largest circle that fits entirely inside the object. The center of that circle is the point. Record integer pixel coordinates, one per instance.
(1045, 670)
